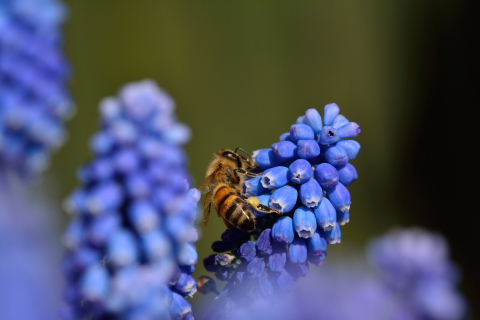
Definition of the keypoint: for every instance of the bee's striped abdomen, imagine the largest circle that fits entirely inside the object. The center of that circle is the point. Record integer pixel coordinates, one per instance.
(233, 209)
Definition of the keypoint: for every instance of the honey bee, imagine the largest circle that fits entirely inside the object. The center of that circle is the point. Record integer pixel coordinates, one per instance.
(223, 186)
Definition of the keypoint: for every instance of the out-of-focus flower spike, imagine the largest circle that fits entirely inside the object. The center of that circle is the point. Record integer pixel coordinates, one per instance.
(347, 174)
(351, 146)
(122, 249)
(283, 199)
(330, 113)
(300, 171)
(297, 251)
(339, 121)
(334, 236)
(339, 197)
(326, 175)
(311, 193)
(283, 231)
(95, 283)
(307, 149)
(314, 120)
(274, 178)
(284, 151)
(301, 132)
(326, 215)
(304, 222)
(336, 156)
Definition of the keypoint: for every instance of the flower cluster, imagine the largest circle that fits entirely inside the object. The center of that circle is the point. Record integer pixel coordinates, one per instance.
(415, 267)
(33, 98)
(304, 177)
(131, 241)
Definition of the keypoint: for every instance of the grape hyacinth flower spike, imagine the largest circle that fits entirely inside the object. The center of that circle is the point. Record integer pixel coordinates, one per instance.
(34, 100)
(131, 252)
(304, 176)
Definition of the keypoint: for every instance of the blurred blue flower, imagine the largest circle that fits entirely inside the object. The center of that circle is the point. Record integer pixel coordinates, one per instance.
(300, 179)
(131, 252)
(412, 279)
(34, 100)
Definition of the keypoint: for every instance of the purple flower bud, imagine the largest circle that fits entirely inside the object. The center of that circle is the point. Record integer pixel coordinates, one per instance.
(326, 175)
(317, 245)
(307, 149)
(311, 193)
(274, 178)
(317, 260)
(284, 199)
(285, 137)
(300, 171)
(347, 174)
(282, 231)
(236, 234)
(223, 246)
(314, 120)
(330, 113)
(240, 275)
(122, 249)
(143, 216)
(247, 251)
(285, 151)
(180, 308)
(343, 217)
(264, 242)
(188, 269)
(156, 245)
(209, 263)
(186, 285)
(336, 155)
(265, 158)
(349, 130)
(95, 283)
(297, 251)
(351, 146)
(328, 135)
(256, 267)
(301, 132)
(339, 197)
(222, 274)
(326, 215)
(334, 236)
(300, 120)
(285, 281)
(264, 287)
(277, 259)
(253, 187)
(339, 121)
(304, 222)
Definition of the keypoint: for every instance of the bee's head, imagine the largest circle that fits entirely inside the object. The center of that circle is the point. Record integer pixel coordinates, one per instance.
(240, 160)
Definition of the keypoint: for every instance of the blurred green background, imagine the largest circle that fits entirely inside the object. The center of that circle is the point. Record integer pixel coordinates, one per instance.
(242, 72)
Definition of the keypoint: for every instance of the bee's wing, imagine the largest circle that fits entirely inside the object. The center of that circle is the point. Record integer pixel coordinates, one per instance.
(206, 208)
(209, 183)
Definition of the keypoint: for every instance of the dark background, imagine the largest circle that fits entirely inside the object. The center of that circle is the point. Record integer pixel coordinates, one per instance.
(241, 73)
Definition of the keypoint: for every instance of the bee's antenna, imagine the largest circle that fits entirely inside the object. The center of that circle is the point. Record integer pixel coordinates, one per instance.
(238, 148)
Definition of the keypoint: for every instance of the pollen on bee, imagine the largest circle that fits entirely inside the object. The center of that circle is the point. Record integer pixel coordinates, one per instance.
(253, 201)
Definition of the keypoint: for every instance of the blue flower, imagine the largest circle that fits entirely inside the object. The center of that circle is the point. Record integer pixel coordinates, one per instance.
(131, 252)
(302, 178)
(34, 100)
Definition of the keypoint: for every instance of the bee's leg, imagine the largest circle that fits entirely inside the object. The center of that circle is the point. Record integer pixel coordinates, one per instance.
(255, 203)
(248, 174)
